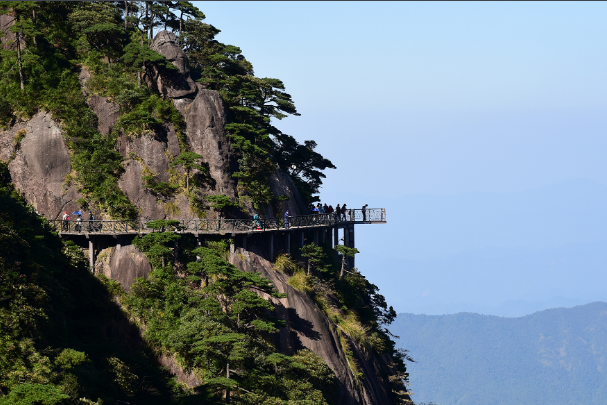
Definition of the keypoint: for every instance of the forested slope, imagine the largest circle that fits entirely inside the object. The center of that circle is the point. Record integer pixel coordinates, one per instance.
(98, 114)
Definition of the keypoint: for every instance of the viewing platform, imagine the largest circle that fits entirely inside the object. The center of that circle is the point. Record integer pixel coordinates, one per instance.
(99, 234)
(223, 226)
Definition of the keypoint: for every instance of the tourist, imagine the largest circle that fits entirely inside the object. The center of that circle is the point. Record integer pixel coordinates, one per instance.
(91, 223)
(337, 213)
(65, 221)
(287, 219)
(343, 212)
(257, 222)
(365, 212)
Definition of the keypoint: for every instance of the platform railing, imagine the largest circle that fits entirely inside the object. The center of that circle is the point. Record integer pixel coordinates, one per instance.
(371, 215)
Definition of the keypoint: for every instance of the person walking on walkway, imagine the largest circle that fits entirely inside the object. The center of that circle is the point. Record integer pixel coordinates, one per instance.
(343, 212)
(287, 219)
(257, 222)
(79, 223)
(65, 221)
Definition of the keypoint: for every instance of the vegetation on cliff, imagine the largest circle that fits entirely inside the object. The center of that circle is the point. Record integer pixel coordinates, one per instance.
(62, 336)
(50, 42)
(355, 308)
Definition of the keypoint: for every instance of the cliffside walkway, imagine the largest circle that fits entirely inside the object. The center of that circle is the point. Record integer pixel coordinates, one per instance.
(223, 226)
(100, 234)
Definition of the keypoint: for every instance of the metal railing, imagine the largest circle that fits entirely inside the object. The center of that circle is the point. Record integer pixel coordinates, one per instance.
(370, 215)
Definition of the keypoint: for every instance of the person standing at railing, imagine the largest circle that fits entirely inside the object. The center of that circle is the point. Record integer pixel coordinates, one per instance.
(365, 212)
(344, 210)
(91, 222)
(337, 213)
(287, 219)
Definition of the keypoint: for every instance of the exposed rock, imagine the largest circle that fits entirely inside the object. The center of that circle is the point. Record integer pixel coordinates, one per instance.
(177, 84)
(205, 119)
(9, 39)
(123, 264)
(170, 363)
(40, 165)
(153, 150)
(282, 184)
(106, 111)
(308, 327)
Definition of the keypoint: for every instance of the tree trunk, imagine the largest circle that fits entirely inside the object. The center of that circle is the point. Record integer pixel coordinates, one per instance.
(151, 25)
(18, 35)
(34, 22)
(187, 181)
(126, 14)
(308, 266)
(343, 267)
(147, 15)
(180, 25)
(228, 376)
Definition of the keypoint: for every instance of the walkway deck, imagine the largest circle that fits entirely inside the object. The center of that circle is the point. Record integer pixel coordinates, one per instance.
(224, 226)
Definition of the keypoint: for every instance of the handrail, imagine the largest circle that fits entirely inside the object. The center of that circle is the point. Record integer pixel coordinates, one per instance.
(352, 216)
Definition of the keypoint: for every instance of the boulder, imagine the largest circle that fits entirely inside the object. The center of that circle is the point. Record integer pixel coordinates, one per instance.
(123, 264)
(178, 84)
(39, 165)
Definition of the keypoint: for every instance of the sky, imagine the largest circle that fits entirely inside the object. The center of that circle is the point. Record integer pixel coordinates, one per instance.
(462, 119)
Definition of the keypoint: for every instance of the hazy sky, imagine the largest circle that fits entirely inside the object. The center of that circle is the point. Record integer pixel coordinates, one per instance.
(412, 99)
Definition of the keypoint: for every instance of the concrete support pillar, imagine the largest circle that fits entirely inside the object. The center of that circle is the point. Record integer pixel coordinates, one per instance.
(324, 234)
(352, 245)
(288, 242)
(302, 239)
(232, 251)
(271, 242)
(91, 254)
(244, 242)
(316, 237)
(198, 244)
(335, 236)
(347, 236)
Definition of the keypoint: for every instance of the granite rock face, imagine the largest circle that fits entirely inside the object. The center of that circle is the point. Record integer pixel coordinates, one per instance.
(107, 112)
(154, 150)
(8, 40)
(205, 119)
(177, 84)
(123, 264)
(39, 165)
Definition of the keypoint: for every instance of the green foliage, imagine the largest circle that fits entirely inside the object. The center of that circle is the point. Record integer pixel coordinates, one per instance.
(56, 321)
(35, 394)
(253, 102)
(189, 161)
(51, 83)
(213, 318)
(221, 202)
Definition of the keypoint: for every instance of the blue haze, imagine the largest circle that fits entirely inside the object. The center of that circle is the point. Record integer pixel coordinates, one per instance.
(479, 126)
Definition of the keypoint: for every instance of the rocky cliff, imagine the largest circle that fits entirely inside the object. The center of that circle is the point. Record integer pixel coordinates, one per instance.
(40, 167)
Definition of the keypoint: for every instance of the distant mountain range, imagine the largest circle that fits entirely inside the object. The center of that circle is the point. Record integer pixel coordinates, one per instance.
(553, 357)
